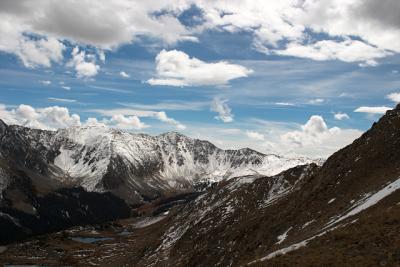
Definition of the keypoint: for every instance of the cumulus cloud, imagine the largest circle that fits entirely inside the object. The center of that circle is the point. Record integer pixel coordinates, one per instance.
(55, 117)
(32, 52)
(38, 52)
(176, 68)
(313, 131)
(158, 115)
(316, 135)
(289, 24)
(89, 22)
(118, 121)
(48, 118)
(221, 107)
(127, 122)
(83, 68)
(341, 116)
(123, 74)
(376, 23)
(395, 97)
(255, 135)
(353, 30)
(313, 139)
(162, 116)
(373, 110)
(94, 122)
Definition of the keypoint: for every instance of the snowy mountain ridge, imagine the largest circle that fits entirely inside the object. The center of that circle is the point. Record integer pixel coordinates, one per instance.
(139, 166)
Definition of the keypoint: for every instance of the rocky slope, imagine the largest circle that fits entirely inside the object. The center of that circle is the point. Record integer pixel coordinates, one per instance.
(345, 213)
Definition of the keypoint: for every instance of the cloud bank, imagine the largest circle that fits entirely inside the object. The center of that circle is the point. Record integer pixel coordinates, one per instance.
(350, 31)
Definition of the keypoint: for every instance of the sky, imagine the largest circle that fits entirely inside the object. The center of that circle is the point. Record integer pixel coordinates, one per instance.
(293, 77)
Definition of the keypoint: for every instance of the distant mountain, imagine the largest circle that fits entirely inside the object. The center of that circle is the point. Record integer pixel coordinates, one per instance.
(134, 168)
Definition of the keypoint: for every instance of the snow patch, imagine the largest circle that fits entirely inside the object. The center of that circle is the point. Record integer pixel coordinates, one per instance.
(283, 236)
(369, 200)
(148, 221)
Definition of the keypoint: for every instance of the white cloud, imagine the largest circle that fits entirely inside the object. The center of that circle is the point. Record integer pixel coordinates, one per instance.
(88, 22)
(66, 87)
(255, 135)
(102, 55)
(127, 122)
(316, 139)
(49, 118)
(33, 53)
(38, 52)
(288, 23)
(167, 82)
(168, 105)
(373, 110)
(162, 116)
(94, 122)
(368, 30)
(284, 104)
(159, 115)
(224, 111)
(45, 82)
(123, 74)
(55, 117)
(83, 68)
(316, 101)
(119, 121)
(65, 100)
(347, 51)
(376, 23)
(313, 139)
(341, 116)
(176, 68)
(395, 97)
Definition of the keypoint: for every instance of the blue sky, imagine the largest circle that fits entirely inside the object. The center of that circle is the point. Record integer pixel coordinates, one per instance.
(226, 73)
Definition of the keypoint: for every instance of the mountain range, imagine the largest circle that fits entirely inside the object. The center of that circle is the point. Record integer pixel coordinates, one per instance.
(250, 209)
(135, 168)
